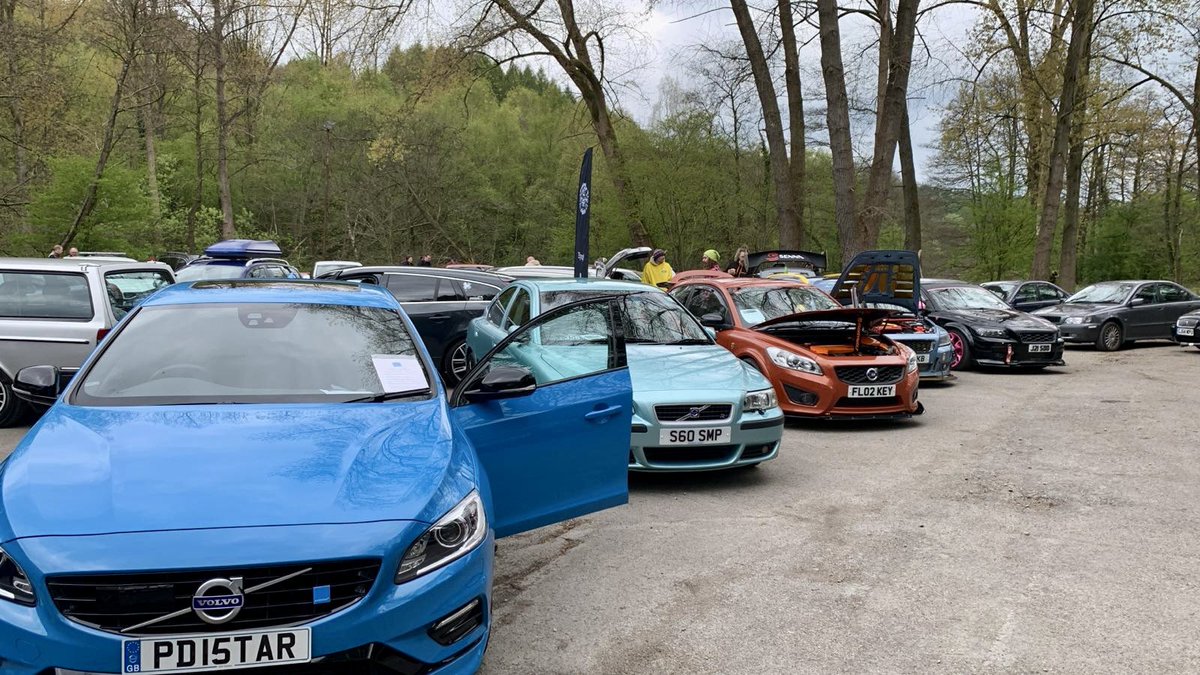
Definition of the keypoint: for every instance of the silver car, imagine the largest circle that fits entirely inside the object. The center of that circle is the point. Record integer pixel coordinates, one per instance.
(54, 311)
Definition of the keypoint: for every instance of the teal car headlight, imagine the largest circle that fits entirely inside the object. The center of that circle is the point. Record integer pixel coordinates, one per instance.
(457, 533)
(759, 401)
(1076, 320)
(14, 585)
(991, 332)
(785, 359)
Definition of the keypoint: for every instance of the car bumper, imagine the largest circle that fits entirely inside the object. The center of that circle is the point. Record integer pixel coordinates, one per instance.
(388, 628)
(754, 438)
(1193, 339)
(1013, 354)
(938, 368)
(1079, 333)
(808, 396)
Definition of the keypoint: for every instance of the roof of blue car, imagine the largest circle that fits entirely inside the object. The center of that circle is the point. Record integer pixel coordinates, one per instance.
(277, 290)
(590, 284)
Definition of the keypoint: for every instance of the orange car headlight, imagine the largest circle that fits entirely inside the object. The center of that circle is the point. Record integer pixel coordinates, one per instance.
(785, 359)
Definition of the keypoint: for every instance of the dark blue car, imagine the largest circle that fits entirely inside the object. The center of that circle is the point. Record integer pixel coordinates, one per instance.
(258, 473)
(239, 259)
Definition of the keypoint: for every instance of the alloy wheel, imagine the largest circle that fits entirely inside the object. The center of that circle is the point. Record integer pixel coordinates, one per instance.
(1112, 337)
(460, 361)
(956, 343)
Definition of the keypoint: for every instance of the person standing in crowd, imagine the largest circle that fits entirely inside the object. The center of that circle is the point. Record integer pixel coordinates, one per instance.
(73, 253)
(531, 261)
(711, 261)
(56, 252)
(741, 262)
(657, 271)
(426, 260)
(408, 261)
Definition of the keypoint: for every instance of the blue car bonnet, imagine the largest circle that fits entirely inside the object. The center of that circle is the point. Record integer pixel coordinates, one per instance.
(105, 470)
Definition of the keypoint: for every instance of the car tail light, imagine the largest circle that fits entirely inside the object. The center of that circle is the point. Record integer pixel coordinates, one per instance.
(101, 333)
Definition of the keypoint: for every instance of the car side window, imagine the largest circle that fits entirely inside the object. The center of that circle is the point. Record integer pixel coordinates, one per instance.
(361, 278)
(1027, 293)
(449, 290)
(518, 314)
(682, 295)
(1172, 293)
(1147, 293)
(706, 300)
(476, 291)
(496, 311)
(412, 287)
(1048, 292)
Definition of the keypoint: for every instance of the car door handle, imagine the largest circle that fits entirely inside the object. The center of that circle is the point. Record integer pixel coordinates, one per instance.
(438, 317)
(602, 413)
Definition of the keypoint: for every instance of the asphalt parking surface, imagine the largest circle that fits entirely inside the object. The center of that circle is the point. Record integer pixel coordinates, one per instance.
(1028, 522)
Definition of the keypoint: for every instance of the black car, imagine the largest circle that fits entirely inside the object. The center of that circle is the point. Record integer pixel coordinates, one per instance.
(1112, 314)
(1187, 329)
(440, 302)
(985, 331)
(1027, 296)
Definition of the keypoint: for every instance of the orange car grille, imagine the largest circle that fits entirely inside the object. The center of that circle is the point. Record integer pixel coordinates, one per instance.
(862, 374)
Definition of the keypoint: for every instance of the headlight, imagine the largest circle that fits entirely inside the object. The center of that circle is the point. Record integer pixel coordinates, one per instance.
(912, 363)
(14, 585)
(758, 401)
(452, 537)
(1076, 320)
(944, 339)
(785, 359)
(991, 332)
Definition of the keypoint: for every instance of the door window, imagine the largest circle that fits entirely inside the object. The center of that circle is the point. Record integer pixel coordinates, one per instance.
(1050, 293)
(496, 311)
(518, 314)
(449, 290)
(127, 289)
(361, 279)
(42, 295)
(1027, 293)
(707, 300)
(412, 287)
(475, 291)
(1172, 293)
(1147, 294)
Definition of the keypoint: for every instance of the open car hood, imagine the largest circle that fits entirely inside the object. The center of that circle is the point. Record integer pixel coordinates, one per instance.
(847, 314)
(885, 277)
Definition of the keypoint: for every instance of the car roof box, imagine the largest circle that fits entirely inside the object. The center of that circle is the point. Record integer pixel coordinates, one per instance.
(244, 248)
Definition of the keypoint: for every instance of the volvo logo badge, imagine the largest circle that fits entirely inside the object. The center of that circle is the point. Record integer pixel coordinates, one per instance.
(693, 413)
(217, 601)
(872, 374)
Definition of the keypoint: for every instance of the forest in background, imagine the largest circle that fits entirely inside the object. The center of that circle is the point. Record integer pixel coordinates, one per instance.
(1069, 146)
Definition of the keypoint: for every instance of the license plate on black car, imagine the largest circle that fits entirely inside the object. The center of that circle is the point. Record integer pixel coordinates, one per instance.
(1189, 332)
(1043, 348)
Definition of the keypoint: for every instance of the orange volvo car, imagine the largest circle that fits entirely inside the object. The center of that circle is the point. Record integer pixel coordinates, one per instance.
(824, 360)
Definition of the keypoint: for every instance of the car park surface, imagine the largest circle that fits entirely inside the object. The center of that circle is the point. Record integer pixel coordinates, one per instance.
(993, 535)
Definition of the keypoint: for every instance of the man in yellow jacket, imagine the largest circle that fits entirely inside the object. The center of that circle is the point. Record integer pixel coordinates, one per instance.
(658, 271)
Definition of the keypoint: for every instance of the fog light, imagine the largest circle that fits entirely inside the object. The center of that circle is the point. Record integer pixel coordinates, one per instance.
(455, 626)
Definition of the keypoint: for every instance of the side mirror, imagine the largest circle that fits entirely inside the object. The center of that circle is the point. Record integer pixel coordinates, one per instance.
(39, 385)
(503, 382)
(1136, 302)
(714, 321)
(712, 333)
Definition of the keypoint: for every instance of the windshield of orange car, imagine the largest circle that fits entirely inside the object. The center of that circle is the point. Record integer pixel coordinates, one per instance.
(756, 304)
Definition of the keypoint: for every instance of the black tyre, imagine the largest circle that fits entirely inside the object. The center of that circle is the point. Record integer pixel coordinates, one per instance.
(1111, 337)
(12, 409)
(962, 350)
(456, 362)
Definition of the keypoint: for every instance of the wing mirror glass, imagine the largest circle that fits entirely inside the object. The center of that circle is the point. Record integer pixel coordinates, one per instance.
(502, 382)
(39, 385)
(1136, 302)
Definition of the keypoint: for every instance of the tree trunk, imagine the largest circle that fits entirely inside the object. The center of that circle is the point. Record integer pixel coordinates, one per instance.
(912, 197)
(776, 144)
(1175, 233)
(8, 37)
(198, 138)
(1069, 254)
(887, 134)
(1052, 199)
(796, 127)
(228, 231)
(106, 146)
(838, 119)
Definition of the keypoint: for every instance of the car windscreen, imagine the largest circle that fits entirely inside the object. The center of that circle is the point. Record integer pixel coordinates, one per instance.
(1109, 294)
(552, 299)
(44, 295)
(254, 353)
(127, 289)
(966, 297)
(208, 271)
(756, 304)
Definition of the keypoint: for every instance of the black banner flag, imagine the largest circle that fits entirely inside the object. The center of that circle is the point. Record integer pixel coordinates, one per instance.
(583, 210)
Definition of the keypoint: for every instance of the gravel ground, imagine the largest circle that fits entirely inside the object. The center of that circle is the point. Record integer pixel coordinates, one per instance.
(1028, 522)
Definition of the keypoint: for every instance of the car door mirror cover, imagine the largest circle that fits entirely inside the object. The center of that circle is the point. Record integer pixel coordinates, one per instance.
(40, 385)
(503, 382)
(1137, 302)
(714, 321)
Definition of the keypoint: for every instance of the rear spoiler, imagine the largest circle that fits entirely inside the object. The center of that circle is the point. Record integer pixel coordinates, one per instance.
(803, 259)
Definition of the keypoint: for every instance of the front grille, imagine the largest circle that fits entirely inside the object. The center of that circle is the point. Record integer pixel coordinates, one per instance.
(859, 374)
(920, 346)
(874, 402)
(704, 412)
(1029, 338)
(115, 602)
(707, 454)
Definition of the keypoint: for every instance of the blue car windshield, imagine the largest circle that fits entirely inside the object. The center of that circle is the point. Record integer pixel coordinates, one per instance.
(254, 353)
(210, 271)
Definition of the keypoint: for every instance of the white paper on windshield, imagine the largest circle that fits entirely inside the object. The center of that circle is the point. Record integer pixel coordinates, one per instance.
(752, 316)
(399, 372)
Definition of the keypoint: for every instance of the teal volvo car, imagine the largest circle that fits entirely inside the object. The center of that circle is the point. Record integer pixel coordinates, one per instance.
(696, 406)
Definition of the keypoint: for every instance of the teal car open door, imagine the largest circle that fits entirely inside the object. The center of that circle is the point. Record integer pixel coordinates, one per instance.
(553, 441)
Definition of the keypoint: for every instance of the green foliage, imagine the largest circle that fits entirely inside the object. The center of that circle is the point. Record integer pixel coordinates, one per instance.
(121, 220)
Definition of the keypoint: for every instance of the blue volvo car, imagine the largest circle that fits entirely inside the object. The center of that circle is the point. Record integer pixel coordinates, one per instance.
(250, 474)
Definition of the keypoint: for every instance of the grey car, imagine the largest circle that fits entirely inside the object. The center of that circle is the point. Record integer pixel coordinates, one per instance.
(54, 311)
(1112, 314)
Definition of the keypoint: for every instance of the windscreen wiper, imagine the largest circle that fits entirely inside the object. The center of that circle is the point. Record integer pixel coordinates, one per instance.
(389, 396)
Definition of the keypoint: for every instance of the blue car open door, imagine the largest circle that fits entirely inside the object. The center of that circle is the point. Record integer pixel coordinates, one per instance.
(548, 411)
